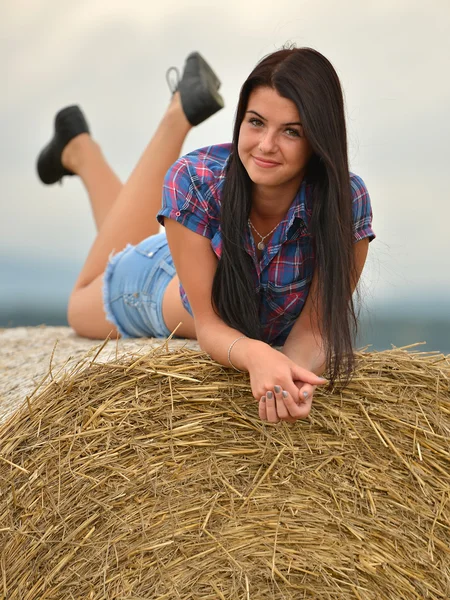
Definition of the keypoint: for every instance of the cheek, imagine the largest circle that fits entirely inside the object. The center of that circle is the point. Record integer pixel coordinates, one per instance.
(243, 145)
(248, 140)
(303, 154)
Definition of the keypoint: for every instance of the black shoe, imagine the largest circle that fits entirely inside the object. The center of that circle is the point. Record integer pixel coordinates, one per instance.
(69, 122)
(198, 89)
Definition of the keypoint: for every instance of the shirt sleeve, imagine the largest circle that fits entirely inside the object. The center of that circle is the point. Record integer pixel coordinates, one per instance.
(362, 210)
(182, 199)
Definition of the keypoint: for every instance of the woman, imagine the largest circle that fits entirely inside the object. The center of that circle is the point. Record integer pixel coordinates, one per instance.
(266, 236)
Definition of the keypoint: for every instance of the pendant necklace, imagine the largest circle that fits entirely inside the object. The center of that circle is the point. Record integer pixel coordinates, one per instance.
(261, 244)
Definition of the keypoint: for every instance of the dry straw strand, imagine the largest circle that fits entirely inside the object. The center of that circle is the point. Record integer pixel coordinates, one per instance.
(151, 476)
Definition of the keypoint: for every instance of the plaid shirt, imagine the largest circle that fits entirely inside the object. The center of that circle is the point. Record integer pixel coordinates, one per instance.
(191, 196)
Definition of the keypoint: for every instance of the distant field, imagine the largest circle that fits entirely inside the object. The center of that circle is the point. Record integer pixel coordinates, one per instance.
(380, 332)
(34, 292)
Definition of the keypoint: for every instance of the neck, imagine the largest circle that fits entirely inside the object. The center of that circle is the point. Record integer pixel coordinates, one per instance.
(271, 204)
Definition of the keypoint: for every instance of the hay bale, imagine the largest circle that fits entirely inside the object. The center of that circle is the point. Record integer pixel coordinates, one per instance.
(151, 476)
(25, 353)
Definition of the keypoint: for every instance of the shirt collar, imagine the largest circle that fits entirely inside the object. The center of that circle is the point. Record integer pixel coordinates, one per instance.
(295, 224)
(299, 208)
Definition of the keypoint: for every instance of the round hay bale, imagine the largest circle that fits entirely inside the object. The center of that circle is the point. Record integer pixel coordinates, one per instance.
(151, 476)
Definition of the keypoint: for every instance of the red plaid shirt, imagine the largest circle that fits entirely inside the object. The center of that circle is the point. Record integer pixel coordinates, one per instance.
(191, 196)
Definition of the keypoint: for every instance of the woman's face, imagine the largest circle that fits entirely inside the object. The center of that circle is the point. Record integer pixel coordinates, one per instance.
(272, 146)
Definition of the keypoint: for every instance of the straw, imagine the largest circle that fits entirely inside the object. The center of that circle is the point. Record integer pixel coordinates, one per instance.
(152, 476)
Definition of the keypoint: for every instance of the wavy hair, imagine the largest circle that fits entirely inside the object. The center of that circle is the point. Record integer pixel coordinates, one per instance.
(308, 79)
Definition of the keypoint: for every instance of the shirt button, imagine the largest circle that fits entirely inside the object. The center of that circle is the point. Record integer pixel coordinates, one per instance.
(178, 214)
(150, 254)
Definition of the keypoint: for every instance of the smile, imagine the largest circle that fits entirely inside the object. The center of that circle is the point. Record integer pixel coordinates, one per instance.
(265, 164)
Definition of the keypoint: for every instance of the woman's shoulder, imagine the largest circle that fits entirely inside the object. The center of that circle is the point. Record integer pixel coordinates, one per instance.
(194, 183)
(358, 187)
(216, 153)
(361, 209)
(204, 165)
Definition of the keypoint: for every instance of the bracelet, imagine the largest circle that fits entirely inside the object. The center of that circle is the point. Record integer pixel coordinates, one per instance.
(229, 352)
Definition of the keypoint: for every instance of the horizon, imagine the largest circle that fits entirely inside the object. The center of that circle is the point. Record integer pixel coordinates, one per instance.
(36, 293)
(48, 280)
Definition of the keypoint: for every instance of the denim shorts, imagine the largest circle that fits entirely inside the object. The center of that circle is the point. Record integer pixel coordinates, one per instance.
(134, 283)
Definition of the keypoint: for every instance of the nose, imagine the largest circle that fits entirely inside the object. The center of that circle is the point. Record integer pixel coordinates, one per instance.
(268, 142)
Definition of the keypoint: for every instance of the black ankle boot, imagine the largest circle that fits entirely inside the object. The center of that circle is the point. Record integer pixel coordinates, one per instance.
(69, 122)
(198, 89)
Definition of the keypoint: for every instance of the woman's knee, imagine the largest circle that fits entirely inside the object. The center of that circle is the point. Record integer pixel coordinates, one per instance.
(86, 314)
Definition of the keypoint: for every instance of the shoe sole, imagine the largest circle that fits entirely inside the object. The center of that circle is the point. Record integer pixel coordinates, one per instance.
(69, 122)
(208, 101)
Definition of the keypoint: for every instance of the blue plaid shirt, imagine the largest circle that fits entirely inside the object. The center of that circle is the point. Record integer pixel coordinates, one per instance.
(191, 196)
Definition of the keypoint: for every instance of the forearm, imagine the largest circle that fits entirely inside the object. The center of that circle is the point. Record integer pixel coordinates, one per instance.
(306, 348)
(215, 338)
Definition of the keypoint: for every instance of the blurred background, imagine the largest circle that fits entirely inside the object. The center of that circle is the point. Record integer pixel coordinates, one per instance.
(111, 57)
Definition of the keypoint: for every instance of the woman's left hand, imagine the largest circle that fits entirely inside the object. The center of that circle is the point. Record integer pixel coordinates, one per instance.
(305, 391)
(304, 399)
(310, 353)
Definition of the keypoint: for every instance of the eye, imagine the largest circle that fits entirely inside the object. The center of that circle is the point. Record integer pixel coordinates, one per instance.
(255, 122)
(293, 133)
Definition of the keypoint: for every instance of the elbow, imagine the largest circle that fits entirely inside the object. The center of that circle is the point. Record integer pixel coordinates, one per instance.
(207, 332)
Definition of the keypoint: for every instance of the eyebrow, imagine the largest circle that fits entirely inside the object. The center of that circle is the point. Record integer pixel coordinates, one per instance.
(283, 124)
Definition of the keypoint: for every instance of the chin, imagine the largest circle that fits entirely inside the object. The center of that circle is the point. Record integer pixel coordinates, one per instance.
(263, 178)
(259, 179)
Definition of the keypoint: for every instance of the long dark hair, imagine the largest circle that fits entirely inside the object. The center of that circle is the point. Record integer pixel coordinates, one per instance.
(308, 79)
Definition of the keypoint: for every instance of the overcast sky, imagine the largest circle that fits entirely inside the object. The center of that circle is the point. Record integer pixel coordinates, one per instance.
(111, 57)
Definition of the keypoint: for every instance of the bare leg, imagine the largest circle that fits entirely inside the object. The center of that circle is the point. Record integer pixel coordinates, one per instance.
(102, 185)
(130, 219)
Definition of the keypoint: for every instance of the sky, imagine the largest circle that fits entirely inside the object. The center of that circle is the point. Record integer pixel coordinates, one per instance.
(110, 57)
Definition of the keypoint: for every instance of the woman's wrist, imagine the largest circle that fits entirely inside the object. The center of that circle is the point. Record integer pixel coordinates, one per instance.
(226, 345)
(230, 348)
(244, 352)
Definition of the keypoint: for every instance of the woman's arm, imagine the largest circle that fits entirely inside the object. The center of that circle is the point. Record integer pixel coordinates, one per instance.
(196, 264)
(304, 344)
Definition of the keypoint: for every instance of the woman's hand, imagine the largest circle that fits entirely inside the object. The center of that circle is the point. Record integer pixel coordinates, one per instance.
(272, 407)
(306, 390)
(279, 386)
(306, 349)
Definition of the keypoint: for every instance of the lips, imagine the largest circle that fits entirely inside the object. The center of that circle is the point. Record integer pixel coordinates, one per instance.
(264, 163)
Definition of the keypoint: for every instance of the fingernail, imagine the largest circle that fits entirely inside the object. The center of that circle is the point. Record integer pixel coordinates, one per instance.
(263, 399)
(277, 389)
(305, 394)
(323, 379)
(285, 394)
(269, 395)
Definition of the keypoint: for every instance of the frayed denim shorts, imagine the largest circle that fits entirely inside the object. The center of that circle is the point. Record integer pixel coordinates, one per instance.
(134, 283)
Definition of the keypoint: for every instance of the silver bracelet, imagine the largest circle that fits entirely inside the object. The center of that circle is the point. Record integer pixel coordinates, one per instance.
(229, 352)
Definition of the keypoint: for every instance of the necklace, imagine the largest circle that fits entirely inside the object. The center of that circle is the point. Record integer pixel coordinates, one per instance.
(261, 244)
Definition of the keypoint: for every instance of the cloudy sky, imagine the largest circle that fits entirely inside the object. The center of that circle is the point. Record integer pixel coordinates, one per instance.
(111, 56)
